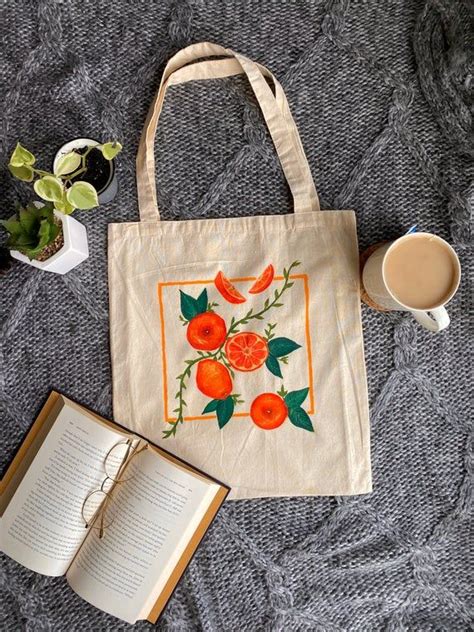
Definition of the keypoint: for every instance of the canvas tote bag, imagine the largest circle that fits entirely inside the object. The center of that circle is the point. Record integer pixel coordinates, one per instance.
(237, 343)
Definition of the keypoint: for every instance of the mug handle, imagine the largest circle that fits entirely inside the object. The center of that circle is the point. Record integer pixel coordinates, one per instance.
(438, 320)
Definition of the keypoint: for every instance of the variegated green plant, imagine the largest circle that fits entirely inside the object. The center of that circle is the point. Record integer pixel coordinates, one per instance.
(58, 187)
(32, 229)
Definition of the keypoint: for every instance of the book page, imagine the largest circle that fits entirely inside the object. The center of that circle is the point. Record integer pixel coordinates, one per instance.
(42, 526)
(156, 512)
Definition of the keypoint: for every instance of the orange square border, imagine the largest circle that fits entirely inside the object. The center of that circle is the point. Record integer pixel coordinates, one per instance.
(161, 285)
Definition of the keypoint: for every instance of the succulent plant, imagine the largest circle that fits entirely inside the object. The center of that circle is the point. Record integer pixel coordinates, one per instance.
(32, 229)
(62, 187)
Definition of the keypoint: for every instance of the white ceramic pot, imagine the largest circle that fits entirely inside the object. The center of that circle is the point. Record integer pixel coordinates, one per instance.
(74, 251)
(109, 191)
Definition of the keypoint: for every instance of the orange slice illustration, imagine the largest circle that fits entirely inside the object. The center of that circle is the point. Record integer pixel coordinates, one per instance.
(263, 280)
(228, 291)
(246, 351)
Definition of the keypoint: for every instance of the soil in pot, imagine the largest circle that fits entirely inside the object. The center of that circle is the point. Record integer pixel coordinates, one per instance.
(98, 169)
(51, 248)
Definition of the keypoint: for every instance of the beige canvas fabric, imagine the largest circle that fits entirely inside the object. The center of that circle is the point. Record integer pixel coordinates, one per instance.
(182, 370)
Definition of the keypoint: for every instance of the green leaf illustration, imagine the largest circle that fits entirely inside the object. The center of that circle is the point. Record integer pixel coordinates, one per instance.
(225, 410)
(189, 305)
(282, 346)
(296, 398)
(270, 327)
(300, 419)
(212, 406)
(202, 301)
(282, 392)
(273, 365)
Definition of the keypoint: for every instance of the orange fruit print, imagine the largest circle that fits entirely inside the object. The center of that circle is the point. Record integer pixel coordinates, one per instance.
(223, 350)
(268, 411)
(246, 351)
(263, 280)
(227, 290)
(206, 331)
(213, 379)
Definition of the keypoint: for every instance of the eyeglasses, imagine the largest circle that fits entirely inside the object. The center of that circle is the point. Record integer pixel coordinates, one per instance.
(96, 508)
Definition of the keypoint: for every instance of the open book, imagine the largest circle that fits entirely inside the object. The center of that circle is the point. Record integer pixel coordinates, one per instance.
(119, 517)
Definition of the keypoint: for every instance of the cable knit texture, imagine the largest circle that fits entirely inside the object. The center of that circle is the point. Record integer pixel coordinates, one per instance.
(380, 91)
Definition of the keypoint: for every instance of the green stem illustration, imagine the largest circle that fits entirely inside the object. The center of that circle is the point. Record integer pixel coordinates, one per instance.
(250, 315)
(179, 395)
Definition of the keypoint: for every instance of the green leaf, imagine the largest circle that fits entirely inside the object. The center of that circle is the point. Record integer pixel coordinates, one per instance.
(225, 410)
(273, 365)
(54, 231)
(12, 226)
(67, 163)
(201, 301)
(25, 239)
(24, 172)
(296, 398)
(300, 419)
(21, 157)
(212, 406)
(25, 250)
(49, 188)
(82, 195)
(189, 305)
(45, 238)
(44, 234)
(27, 219)
(46, 211)
(282, 346)
(64, 206)
(110, 150)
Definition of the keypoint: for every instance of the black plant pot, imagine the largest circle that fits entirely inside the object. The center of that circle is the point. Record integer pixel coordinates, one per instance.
(100, 171)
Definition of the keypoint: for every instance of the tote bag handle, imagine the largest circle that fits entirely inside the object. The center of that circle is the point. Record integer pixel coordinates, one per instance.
(274, 107)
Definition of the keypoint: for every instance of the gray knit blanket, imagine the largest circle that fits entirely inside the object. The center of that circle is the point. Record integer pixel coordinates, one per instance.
(380, 92)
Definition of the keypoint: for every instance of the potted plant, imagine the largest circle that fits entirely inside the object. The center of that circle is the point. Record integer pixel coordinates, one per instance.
(68, 186)
(46, 238)
(43, 234)
(97, 165)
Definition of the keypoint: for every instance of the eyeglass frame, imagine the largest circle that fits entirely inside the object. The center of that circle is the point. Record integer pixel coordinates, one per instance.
(116, 480)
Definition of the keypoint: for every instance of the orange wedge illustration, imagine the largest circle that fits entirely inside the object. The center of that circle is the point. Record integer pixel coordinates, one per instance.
(228, 291)
(263, 280)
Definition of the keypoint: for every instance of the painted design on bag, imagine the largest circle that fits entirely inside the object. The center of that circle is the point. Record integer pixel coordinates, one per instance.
(249, 343)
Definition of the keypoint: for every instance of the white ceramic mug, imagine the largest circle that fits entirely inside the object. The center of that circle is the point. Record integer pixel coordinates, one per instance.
(374, 279)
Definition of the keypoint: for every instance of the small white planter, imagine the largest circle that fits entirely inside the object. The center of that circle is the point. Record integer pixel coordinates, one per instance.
(74, 251)
(109, 191)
